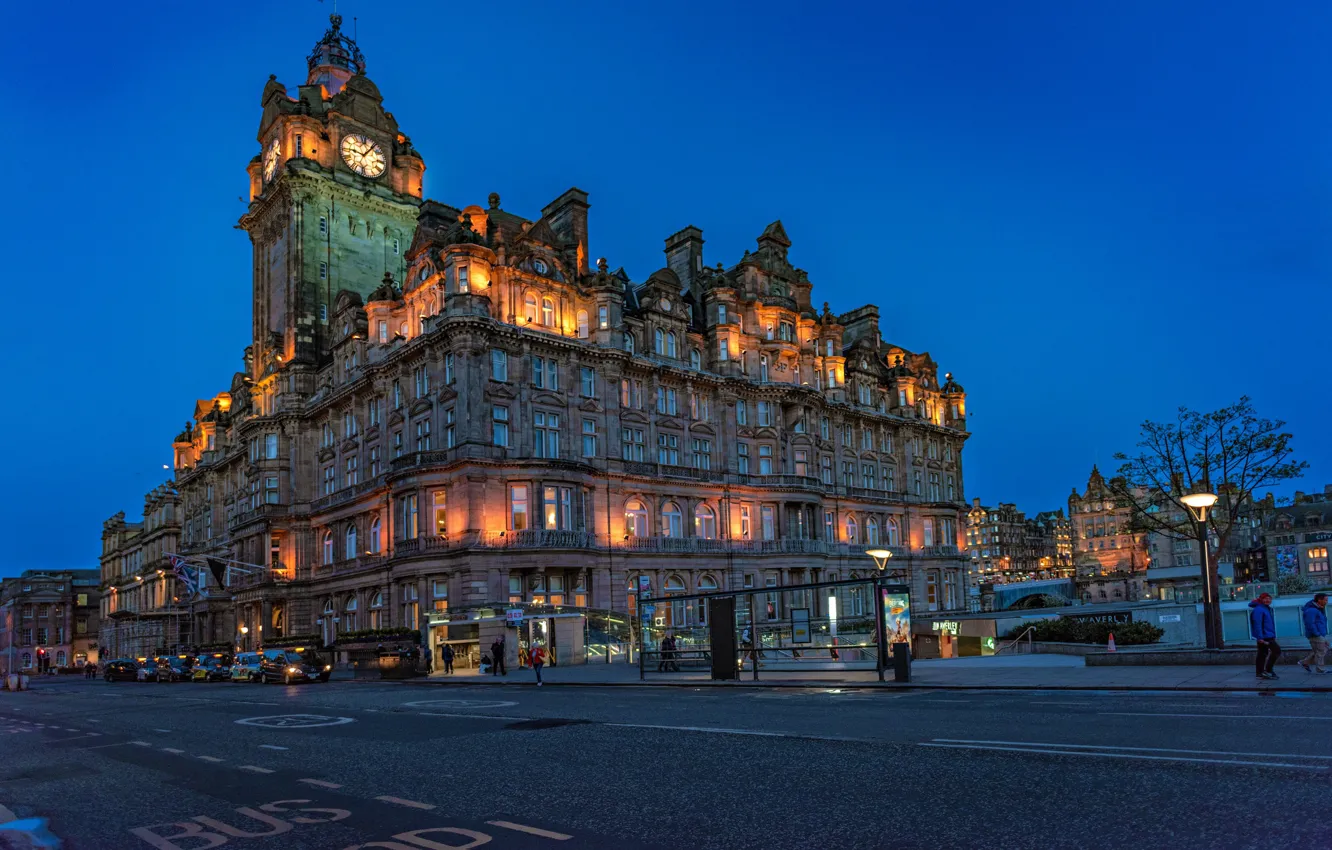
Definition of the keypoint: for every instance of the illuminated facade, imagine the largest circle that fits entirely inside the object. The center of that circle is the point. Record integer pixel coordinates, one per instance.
(1006, 546)
(48, 620)
(1103, 540)
(446, 410)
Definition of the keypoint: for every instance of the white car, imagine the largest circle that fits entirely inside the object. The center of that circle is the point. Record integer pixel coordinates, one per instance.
(246, 667)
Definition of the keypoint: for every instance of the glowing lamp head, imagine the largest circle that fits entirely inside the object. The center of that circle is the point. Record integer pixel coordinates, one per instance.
(1199, 504)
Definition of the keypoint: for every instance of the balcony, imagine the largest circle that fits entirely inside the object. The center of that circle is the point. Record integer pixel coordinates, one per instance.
(255, 514)
(442, 457)
(939, 551)
(784, 301)
(346, 494)
(350, 566)
(540, 538)
(258, 578)
(802, 482)
(423, 546)
(672, 545)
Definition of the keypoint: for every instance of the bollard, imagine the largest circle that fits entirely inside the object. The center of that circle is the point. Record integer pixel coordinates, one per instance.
(902, 662)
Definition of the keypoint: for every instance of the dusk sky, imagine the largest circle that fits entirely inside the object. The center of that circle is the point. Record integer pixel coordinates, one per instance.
(1089, 213)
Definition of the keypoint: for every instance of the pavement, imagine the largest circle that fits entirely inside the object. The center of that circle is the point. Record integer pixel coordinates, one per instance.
(350, 765)
(1022, 672)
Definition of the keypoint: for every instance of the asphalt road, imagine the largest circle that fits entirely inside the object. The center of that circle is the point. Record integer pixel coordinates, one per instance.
(410, 766)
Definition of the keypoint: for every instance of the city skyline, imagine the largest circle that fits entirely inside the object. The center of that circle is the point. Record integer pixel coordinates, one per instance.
(163, 310)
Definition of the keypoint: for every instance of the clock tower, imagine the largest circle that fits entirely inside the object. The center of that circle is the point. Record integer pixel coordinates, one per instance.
(334, 192)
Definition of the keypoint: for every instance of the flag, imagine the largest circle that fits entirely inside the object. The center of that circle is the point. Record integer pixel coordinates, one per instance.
(219, 571)
(182, 572)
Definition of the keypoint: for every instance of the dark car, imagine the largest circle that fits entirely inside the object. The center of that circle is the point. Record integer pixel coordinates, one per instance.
(178, 669)
(121, 670)
(286, 666)
(148, 671)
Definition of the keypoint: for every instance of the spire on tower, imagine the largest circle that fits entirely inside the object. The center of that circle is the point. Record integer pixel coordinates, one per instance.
(335, 59)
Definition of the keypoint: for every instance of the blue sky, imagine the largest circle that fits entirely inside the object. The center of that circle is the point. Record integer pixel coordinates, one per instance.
(1062, 202)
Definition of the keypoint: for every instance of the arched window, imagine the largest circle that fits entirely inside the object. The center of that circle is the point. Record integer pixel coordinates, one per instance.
(852, 530)
(373, 542)
(430, 306)
(635, 519)
(328, 546)
(893, 535)
(548, 311)
(377, 601)
(530, 308)
(377, 610)
(695, 359)
(674, 584)
(349, 623)
(705, 523)
(672, 522)
(872, 532)
(328, 606)
(707, 582)
(350, 549)
(582, 324)
(629, 342)
(351, 604)
(658, 341)
(763, 367)
(670, 345)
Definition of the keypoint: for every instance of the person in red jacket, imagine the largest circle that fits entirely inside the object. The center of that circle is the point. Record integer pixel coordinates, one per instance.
(538, 657)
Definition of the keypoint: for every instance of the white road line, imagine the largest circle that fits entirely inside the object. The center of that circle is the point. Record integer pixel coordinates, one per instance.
(1060, 703)
(1133, 749)
(161, 730)
(754, 732)
(1219, 716)
(93, 720)
(254, 769)
(476, 716)
(141, 743)
(401, 802)
(1126, 756)
(270, 747)
(172, 750)
(319, 783)
(213, 759)
(530, 830)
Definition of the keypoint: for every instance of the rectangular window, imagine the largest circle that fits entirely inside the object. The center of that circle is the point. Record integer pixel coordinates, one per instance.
(499, 423)
(742, 458)
(632, 444)
(826, 470)
(603, 317)
(721, 314)
(666, 401)
(848, 474)
(702, 454)
(867, 476)
(448, 428)
(764, 414)
(746, 523)
(397, 394)
(271, 446)
(323, 275)
(423, 435)
(323, 226)
(545, 373)
(299, 147)
(464, 283)
(801, 462)
(440, 498)
(589, 438)
(767, 516)
(374, 461)
(741, 412)
(397, 443)
(546, 434)
(829, 527)
(330, 480)
(407, 517)
(421, 381)
(373, 411)
(927, 535)
(668, 449)
(723, 350)
(352, 475)
(383, 332)
(557, 514)
(448, 368)
(518, 507)
(587, 384)
(395, 247)
(765, 460)
(270, 495)
(499, 364)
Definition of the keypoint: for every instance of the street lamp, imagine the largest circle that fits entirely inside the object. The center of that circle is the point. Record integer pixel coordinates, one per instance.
(1199, 504)
(880, 556)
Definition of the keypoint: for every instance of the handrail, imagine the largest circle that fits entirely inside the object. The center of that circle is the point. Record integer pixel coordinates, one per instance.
(1015, 641)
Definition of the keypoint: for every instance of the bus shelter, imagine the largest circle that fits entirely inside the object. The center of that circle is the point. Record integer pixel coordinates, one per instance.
(851, 624)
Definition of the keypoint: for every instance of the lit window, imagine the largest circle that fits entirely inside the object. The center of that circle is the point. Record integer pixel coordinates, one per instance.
(518, 507)
(582, 324)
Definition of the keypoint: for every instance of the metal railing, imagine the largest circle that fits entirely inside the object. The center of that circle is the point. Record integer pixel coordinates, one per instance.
(1026, 633)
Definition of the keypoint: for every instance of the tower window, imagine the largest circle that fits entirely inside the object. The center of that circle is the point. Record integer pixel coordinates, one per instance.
(395, 247)
(323, 312)
(299, 151)
(323, 271)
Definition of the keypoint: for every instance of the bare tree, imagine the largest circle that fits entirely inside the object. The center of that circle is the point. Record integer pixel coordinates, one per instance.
(1231, 452)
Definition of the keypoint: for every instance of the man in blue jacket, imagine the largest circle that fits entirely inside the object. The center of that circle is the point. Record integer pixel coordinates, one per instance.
(1263, 626)
(1315, 629)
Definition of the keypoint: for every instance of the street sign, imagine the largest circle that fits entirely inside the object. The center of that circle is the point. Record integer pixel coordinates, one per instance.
(649, 609)
(644, 584)
(513, 616)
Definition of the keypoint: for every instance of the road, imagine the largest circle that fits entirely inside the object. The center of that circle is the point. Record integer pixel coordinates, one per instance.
(409, 766)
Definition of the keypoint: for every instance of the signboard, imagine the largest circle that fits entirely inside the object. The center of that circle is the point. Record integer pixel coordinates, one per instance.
(645, 584)
(944, 626)
(1318, 536)
(896, 616)
(1106, 617)
(1168, 618)
(1287, 561)
(513, 616)
(800, 626)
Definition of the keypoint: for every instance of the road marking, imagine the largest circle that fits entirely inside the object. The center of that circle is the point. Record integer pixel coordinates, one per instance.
(320, 783)
(401, 802)
(213, 759)
(162, 730)
(270, 747)
(172, 750)
(93, 720)
(530, 830)
(294, 721)
(1133, 749)
(754, 732)
(141, 743)
(1219, 716)
(1060, 703)
(254, 769)
(1126, 756)
(459, 703)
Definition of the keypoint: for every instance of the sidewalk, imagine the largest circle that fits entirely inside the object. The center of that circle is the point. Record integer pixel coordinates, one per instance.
(1018, 672)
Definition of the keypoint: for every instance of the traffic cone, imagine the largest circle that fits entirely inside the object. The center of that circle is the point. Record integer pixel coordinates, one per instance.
(1110, 644)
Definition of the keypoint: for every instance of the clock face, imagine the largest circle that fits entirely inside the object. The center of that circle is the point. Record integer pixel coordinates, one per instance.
(666, 304)
(363, 155)
(271, 159)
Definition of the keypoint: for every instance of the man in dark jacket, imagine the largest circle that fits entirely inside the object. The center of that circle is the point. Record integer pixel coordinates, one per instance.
(1263, 626)
(1314, 614)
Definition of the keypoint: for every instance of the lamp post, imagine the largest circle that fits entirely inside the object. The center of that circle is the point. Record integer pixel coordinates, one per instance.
(881, 558)
(1199, 504)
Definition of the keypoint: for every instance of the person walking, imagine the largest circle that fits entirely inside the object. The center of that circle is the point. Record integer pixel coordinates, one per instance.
(538, 657)
(1315, 628)
(1263, 626)
(446, 655)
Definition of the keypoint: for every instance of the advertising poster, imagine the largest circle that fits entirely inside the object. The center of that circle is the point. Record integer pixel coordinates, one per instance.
(1287, 561)
(800, 625)
(896, 617)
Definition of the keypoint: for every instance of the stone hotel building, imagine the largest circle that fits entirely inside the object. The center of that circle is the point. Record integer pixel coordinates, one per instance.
(447, 410)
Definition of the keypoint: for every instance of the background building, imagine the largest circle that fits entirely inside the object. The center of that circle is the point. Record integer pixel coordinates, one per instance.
(1298, 537)
(1103, 541)
(142, 611)
(444, 411)
(1004, 545)
(48, 620)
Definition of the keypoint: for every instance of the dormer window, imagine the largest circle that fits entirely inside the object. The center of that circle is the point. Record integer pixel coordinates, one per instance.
(423, 274)
(464, 282)
(539, 266)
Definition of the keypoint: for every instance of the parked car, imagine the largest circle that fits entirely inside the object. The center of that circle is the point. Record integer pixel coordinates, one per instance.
(120, 670)
(322, 666)
(287, 667)
(178, 669)
(246, 668)
(210, 670)
(147, 671)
